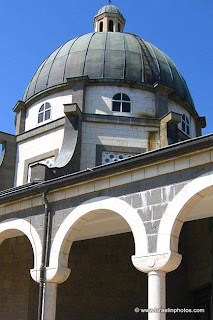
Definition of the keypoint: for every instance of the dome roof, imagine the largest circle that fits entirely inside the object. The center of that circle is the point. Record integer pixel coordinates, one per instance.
(109, 9)
(107, 56)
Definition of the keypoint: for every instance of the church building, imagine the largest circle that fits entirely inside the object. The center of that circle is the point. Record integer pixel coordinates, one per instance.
(106, 187)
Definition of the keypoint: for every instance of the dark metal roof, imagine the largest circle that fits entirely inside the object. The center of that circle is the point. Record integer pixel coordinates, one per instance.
(109, 56)
(109, 9)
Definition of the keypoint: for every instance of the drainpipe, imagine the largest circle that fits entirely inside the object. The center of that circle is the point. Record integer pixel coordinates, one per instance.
(44, 257)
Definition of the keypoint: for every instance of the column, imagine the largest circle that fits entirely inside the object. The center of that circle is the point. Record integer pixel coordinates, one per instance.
(157, 294)
(54, 276)
(49, 302)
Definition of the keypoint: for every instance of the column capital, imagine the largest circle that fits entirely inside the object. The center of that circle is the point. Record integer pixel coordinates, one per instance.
(166, 262)
(57, 275)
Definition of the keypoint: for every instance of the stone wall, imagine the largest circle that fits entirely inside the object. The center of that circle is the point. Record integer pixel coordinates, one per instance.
(124, 137)
(198, 234)
(103, 283)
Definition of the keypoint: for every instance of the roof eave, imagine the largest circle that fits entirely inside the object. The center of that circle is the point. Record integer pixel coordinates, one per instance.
(148, 158)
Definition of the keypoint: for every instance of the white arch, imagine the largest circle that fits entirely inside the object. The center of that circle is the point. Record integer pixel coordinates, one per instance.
(22, 227)
(80, 215)
(178, 210)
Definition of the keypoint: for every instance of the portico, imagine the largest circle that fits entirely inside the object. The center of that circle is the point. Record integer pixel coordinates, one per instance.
(150, 202)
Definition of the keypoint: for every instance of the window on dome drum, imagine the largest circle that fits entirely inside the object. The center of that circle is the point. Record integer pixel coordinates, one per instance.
(121, 102)
(111, 25)
(101, 26)
(44, 112)
(185, 124)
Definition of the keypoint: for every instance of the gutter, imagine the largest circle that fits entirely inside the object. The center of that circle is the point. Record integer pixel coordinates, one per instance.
(144, 159)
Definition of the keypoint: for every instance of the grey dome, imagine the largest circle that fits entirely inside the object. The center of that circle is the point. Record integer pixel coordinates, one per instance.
(107, 56)
(109, 9)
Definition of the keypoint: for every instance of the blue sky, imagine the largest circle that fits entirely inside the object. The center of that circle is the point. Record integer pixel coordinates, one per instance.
(31, 29)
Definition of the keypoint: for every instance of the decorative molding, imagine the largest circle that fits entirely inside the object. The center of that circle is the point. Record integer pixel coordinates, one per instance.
(100, 148)
(41, 129)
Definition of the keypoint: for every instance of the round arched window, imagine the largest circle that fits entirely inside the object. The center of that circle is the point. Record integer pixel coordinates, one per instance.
(185, 124)
(121, 103)
(44, 112)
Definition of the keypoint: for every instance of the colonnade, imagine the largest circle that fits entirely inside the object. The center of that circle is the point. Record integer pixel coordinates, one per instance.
(149, 264)
(155, 265)
(156, 297)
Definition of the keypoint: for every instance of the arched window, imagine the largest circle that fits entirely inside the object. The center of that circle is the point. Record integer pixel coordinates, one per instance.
(121, 103)
(101, 26)
(185, 124)
(44, 112)
(110, 25)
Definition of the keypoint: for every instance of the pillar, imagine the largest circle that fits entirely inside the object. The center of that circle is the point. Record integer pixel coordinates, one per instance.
(54, 276)
(157, 294)
(156, 266)
(20, 110)
(49, 302)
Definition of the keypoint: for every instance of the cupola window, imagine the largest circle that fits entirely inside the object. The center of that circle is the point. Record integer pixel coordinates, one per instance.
(44, 112)
(185, 124)
(121, 103)
(119, 27)
(101, 26)
(110, 26)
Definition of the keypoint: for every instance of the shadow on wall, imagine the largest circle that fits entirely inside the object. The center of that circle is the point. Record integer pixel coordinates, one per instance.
(18, 291)
(103, 283)
(187, 286)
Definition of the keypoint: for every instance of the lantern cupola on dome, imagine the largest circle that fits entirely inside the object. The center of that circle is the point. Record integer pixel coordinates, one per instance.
(109, 19)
